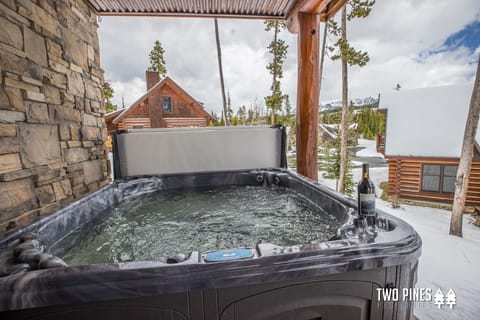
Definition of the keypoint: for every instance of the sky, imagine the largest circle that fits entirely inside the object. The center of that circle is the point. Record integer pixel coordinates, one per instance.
(413, 43)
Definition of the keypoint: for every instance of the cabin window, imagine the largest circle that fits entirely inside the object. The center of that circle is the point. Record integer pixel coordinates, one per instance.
(439, 178)
(167, 104)
(449, 176)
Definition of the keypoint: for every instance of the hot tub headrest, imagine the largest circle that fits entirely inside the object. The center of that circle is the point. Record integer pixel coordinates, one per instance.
(143, 152)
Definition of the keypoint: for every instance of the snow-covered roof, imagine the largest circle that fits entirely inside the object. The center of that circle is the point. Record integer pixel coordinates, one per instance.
(427, 122)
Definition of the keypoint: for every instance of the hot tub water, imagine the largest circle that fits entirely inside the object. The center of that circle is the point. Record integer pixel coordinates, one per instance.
(161, 224)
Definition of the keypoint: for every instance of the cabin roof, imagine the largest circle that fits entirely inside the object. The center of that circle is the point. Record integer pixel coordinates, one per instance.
(427, 122)
(113, 114)
(120, 114)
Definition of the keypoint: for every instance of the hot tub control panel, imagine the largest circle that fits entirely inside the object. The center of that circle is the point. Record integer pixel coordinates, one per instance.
(229, 255)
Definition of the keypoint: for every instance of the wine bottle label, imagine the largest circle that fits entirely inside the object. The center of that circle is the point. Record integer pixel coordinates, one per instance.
(367, 204)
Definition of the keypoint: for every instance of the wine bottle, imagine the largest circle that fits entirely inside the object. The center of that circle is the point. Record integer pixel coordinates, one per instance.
(366, 194)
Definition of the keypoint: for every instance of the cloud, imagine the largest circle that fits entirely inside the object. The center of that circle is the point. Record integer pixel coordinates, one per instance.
(403, 39)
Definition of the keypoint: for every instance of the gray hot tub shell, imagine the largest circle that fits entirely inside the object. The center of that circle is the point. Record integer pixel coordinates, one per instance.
(337, 279)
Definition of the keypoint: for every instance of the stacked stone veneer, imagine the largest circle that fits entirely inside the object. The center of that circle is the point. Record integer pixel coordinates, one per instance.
(51, 108)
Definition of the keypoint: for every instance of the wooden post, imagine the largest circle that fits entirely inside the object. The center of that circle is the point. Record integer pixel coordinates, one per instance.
(307, 95)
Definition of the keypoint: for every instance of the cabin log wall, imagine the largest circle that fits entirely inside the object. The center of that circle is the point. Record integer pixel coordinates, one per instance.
(405, 179)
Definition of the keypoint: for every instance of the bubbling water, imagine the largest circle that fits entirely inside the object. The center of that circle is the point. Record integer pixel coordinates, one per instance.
(161, 224)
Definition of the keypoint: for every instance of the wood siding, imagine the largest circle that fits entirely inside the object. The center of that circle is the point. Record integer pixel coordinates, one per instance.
(131, 123)
(184, 122)
(381, 143)
(405, 179)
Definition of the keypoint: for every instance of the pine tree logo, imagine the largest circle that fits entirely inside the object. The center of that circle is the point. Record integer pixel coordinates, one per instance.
(439, 298)
(451, 298)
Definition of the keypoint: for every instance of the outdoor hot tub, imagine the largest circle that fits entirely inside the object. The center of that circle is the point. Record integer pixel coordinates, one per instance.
(190, 234)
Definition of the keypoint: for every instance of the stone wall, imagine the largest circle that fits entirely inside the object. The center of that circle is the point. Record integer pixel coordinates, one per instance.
(51, 108)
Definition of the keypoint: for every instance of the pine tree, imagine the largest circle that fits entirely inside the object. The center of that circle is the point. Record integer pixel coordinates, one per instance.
(108, 92)
(342, 50)
(229, 116)
(330, 164)
(278, 49)
(221, 123)
(242, 115)
(289, 118)
(332, 157)
(157, 61)
(370, 122)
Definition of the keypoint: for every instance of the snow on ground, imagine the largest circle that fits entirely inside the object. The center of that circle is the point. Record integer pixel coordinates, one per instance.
(447, 262)
(370, 149)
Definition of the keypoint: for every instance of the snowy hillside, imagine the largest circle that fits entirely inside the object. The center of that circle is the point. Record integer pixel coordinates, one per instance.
(337, 104)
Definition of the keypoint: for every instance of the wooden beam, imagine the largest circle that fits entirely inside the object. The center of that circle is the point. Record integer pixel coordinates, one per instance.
(333, 7)
(307, 95)
(322, 7)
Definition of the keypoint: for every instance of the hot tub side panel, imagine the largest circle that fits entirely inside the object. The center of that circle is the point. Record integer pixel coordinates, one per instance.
(349, 296)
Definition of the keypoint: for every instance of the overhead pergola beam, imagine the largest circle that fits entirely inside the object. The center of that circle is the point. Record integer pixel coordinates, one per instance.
(304, 6)
(332, 8)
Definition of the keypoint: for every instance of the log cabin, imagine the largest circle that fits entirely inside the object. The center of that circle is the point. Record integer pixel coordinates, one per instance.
(423, 143)
(164, 105)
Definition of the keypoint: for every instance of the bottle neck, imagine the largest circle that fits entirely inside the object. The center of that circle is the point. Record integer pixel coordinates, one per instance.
(365, 171)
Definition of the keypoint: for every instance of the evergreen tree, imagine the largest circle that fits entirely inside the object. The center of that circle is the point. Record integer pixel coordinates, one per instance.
(250, 116)
(342, 50)
(221, 123)
(288, 107)
(107, 95)
(242, 115)
(278, 49)
(330, 164)
(370, 122)
(229, 116)
(330, 117)
(157, 61)
(331, 159)
(217, 119)
(257, 113)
